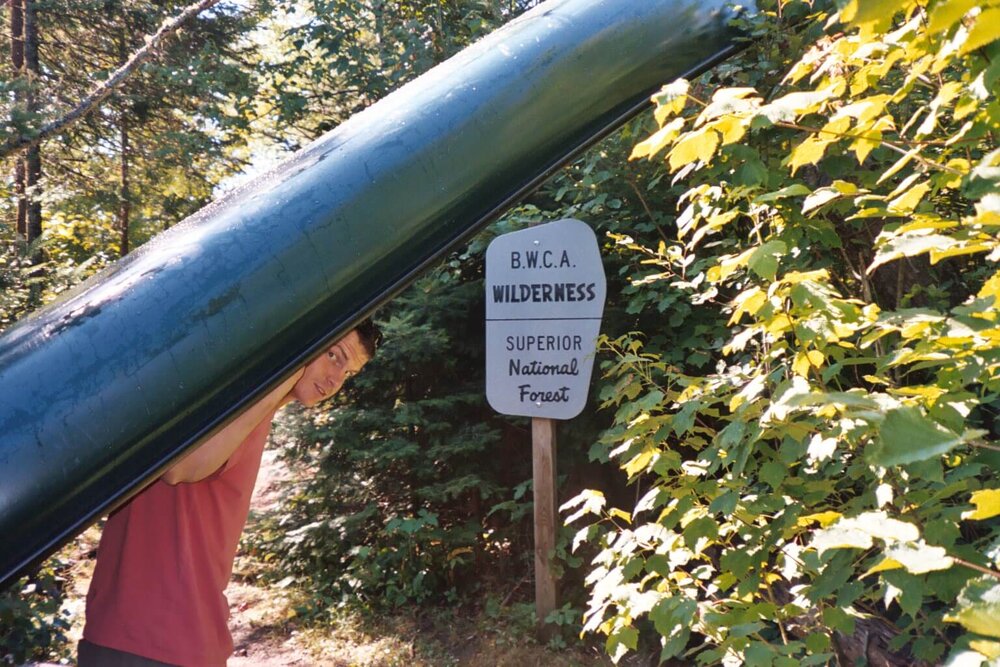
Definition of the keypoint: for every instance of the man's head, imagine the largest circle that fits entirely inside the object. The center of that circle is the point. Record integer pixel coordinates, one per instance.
(326, 374)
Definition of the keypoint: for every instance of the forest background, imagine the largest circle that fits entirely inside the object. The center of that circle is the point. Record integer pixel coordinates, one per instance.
(790, 454)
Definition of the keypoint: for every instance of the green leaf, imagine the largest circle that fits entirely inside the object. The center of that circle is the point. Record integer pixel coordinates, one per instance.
(725, 504)
(620, 641)
(759, 654)
(794, 190)
(817, 642)
(838, 619)
(978, 607)
(702, 527)
(985, 176)
(907, 436)
(672, 618)
(911, 590)
(773, 473)
(764, 260)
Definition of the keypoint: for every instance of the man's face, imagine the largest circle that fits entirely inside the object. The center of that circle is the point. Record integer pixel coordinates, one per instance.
(324, 376)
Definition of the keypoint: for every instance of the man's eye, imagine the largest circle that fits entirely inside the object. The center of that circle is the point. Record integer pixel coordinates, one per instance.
(332, 355)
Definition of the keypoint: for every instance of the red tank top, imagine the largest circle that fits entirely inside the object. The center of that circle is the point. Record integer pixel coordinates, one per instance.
(165, 559)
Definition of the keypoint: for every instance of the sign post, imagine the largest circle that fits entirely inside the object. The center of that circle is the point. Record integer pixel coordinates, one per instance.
(545, 291)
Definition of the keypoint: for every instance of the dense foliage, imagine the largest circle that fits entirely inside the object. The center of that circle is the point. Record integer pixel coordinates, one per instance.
(150, 155)
(826, 487)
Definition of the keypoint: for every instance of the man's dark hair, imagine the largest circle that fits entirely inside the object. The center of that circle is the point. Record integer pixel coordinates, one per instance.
(370, 334)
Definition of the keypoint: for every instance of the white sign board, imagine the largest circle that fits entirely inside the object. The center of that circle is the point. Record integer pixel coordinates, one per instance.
(545, 291)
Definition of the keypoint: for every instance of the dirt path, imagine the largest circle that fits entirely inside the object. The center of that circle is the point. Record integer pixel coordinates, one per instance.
(258, 621)
(264, 635)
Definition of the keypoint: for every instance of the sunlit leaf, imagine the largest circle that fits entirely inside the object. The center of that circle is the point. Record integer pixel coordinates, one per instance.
(670, 99)
(961, 248)
(860, 531)
(822, 196)
(588, 501)
(872, 16)
(846, 536)
(987, 502)
(659, 140)
(883, 566)
(989, 649)
(791, 106)
(986, 30)
(946, 13)
(910, 245)
(899, 164)
(824, 519)
(731, 128)
(906, 202)
(698, 145)
(810, 151)
(919, 557)
(805, 361)
(978, 607)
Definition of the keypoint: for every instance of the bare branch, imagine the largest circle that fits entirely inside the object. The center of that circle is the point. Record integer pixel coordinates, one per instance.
(100, 92)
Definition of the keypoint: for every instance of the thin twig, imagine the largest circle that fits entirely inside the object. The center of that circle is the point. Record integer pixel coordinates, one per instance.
(983, 445)
(977, 568)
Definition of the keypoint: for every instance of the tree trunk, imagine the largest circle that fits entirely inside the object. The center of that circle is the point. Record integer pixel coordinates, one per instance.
(17, 68)
(22, 200)
(124, 196)
(124, 201)
(33, 157)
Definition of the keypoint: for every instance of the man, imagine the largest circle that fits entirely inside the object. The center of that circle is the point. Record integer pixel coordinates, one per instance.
(158, 592)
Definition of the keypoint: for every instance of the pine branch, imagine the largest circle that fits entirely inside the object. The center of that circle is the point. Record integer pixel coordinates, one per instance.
(100, 92)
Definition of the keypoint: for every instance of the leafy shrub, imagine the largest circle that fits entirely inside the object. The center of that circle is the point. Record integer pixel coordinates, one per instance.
(33, 623)
(826, 486)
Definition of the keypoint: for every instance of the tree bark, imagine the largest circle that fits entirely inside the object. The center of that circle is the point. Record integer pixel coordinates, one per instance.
(22, 200)
(124, 196)
(33, 156)
(17, 67)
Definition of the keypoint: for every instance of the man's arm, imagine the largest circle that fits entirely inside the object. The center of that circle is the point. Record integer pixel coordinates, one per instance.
(214, 452)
